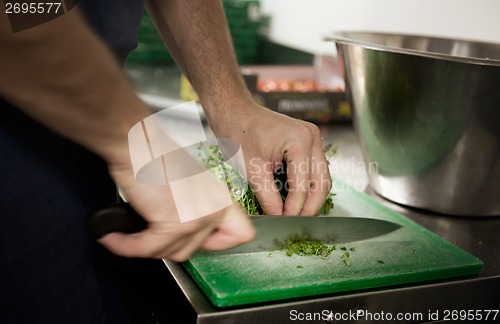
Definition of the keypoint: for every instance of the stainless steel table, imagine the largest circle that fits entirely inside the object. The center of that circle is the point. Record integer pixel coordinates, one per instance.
(415, 303)
(422, 302)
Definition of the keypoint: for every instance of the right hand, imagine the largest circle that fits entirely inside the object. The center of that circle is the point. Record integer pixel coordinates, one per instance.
(267, 138)
(166, 237)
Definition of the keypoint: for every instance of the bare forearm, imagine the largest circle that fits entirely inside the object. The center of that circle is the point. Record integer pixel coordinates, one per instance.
(197, 35)
(61, 74)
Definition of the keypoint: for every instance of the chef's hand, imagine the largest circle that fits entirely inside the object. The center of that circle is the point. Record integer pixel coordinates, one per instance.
(97, 110)
(166, 237)
(268, 138)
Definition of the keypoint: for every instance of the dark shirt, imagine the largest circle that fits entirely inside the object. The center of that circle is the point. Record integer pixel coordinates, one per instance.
(116, 21)
(50, 271)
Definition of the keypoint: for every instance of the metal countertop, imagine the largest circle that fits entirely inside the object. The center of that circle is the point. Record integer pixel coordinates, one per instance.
(479, 236)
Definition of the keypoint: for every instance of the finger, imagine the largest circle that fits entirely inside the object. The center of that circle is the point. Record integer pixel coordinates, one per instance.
(192, 244)
(130, 245)
(298, 180)
(320, 185)
(262, 182)
(173, 241)
(195, 233)
(189, 237)
(235, 229)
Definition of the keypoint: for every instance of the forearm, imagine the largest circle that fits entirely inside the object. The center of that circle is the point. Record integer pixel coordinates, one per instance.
(197, 36)
(62, 75)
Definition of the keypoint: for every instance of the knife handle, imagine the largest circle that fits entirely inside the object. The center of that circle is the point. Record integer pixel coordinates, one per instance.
(116, 217)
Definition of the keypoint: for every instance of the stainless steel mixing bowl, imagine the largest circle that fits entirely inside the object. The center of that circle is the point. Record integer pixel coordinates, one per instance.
(427, 113)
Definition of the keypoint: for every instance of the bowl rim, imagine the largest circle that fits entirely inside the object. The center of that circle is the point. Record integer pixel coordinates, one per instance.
(338, 38)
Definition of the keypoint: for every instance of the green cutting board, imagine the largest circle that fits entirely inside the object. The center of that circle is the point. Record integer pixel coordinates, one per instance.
(407, 255)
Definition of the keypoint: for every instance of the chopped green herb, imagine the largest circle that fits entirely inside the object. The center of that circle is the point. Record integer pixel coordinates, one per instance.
(302, 244)
(300, 267)
(214, 160)
(346, 259)
(329, 150)
(380, 261)
(269, 255)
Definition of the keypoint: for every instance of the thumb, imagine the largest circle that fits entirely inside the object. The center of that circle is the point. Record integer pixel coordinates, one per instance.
(234, 229)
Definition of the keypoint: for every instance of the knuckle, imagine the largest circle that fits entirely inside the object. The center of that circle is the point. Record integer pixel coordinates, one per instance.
(314, 129)
(306, 135)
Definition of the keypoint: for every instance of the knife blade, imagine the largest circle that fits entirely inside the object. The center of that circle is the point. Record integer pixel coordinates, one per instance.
(330, 229)
(121, 217)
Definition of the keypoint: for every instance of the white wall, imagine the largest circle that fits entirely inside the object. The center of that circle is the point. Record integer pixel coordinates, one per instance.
(301, 24)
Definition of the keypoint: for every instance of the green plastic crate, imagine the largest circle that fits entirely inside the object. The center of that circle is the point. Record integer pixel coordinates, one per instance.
(243, 18)
(150, 48)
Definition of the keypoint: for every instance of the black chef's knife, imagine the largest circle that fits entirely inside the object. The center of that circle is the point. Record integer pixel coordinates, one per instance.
(121, 217)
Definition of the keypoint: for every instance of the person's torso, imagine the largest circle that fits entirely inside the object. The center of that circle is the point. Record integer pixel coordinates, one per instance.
(116, 22)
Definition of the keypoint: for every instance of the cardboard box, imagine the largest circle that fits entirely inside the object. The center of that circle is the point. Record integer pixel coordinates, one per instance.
(319, 107)
(309, 92)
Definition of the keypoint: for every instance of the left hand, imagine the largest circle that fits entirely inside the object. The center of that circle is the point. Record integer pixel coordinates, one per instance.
(267, 138)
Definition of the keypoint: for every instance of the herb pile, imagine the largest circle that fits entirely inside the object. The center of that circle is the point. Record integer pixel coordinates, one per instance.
(302, 244)
(212, 158)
